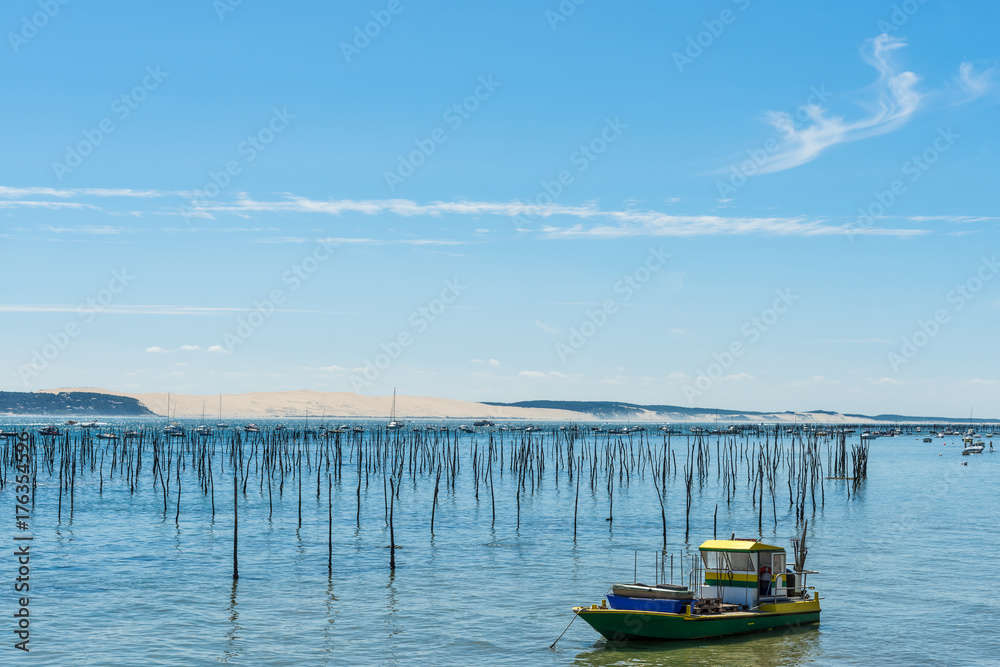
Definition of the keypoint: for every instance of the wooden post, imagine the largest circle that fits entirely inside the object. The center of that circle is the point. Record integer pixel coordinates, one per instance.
(236, 525)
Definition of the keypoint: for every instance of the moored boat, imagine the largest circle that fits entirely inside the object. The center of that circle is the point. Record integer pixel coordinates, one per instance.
(394, 424)
(742, 586)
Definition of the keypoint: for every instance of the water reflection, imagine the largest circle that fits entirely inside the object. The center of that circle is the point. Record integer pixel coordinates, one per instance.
(789, 646)
(332, 611)
(234, 627)
(392, 621)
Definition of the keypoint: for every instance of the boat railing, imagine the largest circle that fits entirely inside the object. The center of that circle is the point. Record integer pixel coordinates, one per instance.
(696, 578)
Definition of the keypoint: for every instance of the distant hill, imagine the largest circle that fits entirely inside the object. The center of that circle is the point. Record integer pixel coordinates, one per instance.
(70, 404)
(618, 411)
(613, 410)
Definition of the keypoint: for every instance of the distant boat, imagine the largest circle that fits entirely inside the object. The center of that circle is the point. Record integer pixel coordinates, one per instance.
(251, 428)
(466, 429)
(203, 429)
(71, 422)
(928, 439)
(107, 436)
(973, 449)
(49, 430)
(394, 425)
(130, 433)
(483, 422)
(221, 423)
(90, 424)
(8, 434)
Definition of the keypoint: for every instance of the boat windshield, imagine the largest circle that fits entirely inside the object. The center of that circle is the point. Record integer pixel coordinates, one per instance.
(726, 560)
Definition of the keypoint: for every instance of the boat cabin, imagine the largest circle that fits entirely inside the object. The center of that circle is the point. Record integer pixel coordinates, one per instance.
(747, 572)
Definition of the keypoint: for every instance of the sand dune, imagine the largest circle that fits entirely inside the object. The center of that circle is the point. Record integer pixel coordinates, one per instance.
(288, 404)
(331, 404)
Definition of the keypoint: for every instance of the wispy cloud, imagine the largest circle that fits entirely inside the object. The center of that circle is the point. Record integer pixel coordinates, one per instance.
(620, 223)
(149, 310)
(552, 221)
(975, 84)
(103, 230)
(896, 100)
(546, 328)
(53, 205)
(8, 192)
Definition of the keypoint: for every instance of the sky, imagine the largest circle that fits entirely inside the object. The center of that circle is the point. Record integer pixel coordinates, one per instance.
(724, 204)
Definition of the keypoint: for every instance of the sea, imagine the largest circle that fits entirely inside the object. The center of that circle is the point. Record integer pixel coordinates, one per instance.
(906, 558)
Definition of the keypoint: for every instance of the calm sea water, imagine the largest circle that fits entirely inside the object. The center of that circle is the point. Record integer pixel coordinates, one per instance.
(907, 570)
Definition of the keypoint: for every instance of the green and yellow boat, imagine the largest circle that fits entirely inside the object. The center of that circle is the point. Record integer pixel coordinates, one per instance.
(739, 586)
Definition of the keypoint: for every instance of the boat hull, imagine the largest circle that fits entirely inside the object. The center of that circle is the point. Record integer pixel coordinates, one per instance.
(625, 625)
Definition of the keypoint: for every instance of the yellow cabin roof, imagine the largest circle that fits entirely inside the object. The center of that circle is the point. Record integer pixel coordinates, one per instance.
(737, 545)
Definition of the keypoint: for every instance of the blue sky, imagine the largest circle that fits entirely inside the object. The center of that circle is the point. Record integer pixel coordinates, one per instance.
(721, 204)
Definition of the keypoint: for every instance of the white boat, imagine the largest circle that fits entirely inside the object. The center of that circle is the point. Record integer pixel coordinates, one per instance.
(221, 423)
(973, 449)
(393, 424)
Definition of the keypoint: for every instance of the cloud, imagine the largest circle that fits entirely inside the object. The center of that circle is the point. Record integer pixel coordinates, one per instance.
(551, 221)
(896, 101)
(412, 242)
(550, 374)
(544, 327)
(494, 363)
(975, 84)
(190, 348)
(218, 349)
(23, 203)
(150, 310)
(102, 230)
(333, 368)
(157, 350)
(8, 192)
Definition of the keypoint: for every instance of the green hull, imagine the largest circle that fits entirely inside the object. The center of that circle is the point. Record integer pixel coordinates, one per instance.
(636, 625)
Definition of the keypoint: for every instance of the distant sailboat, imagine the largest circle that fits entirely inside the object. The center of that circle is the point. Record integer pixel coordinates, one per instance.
(203, 429)
(221, 423)
(394, 425)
